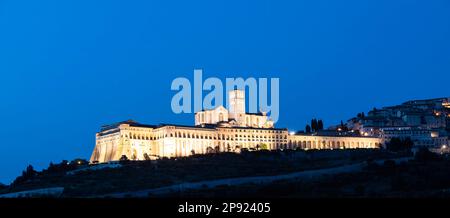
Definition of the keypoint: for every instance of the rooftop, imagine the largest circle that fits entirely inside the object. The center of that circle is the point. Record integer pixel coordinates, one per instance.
(206, 127)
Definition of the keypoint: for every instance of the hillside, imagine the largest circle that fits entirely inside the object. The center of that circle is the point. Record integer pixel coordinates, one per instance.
(95, 180)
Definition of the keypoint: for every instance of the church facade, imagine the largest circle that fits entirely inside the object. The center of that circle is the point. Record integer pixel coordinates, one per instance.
(217, 130)
(235, 117)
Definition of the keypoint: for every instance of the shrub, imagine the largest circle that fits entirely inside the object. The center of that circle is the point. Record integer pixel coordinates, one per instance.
(79, 162)
(398, 144)
(27, 174)
(123, 159)
(263, 146)
(389, 164)
(146, 157)
(3, 186)
(210, 150)
(423, 154)
(64, 166)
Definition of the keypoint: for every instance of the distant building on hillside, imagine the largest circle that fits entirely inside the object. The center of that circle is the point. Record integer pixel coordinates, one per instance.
(416, 119)
(216, 130)
(236, 117)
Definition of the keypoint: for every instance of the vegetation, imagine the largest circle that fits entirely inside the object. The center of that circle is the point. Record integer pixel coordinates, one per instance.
(361, 115)
(424, 155)
(399, 144)
(64, 166)
(138, 175)
(263, 146)
(343, 127)
(320, 125)
(123, 159)
(146, 157)
(210, 150)
(27, 174)
(316, 125)
(425, 176)
(308, 129)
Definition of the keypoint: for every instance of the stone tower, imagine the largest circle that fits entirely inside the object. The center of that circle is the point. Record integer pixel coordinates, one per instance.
(237, 104)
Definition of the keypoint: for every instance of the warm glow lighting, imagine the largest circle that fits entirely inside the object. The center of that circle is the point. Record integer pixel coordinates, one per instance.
(444, 146)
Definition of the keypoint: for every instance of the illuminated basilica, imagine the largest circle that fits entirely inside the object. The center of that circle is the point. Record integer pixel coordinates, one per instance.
(216, 130)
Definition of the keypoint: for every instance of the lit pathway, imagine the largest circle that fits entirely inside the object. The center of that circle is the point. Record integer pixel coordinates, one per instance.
(309, 174)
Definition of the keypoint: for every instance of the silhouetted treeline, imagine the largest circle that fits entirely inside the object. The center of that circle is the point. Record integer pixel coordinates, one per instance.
(30, 173)
(399, 144)
(315, 126)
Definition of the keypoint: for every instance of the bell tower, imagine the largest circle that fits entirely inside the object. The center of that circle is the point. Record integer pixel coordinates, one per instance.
(237, 104)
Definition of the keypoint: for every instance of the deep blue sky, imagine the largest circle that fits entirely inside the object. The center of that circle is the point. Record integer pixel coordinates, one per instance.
(67, 67)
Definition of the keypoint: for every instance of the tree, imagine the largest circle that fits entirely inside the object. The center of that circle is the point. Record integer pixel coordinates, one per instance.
(263, 146)
(314, 125)
(146, 157)
(123, 158)
(361, 115)
(308, 129)
(27, 174)
(423, 154)
(320, 125)
(399, 144)
(210, 150)
(64, 166)
(30, 172)
(51, 167)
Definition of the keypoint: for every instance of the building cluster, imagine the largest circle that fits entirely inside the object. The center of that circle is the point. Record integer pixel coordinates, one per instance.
(217, 130)
(235, 117)
(425, 122)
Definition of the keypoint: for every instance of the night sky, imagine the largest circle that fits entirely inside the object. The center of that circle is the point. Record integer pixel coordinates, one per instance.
(68, 67)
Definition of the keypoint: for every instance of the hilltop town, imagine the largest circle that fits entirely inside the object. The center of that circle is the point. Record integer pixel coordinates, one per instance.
(397, 144)
(424, 122)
